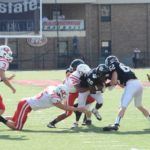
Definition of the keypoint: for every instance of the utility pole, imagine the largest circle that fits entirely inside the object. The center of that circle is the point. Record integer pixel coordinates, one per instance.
(57, 32)
(6, 41)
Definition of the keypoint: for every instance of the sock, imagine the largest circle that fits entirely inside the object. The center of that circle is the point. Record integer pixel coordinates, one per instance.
(98, 106)
(78, 115)
(54, 122)
(3, 120)
(117, 121)
(59, 118)
(84, 119)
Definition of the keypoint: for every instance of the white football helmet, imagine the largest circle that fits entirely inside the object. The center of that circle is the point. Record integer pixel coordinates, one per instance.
(62, 91)
(6, 53)
(83, 69)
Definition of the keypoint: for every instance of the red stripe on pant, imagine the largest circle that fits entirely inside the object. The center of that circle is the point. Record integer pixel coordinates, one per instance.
(2, 105)
(21, 114)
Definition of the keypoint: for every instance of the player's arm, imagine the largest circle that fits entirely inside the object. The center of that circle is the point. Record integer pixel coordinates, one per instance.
(114, 79)
(6, 81)
(11, 77)
(69, 108)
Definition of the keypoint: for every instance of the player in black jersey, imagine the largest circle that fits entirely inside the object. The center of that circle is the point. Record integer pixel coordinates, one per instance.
(95, 81)
(123, 76)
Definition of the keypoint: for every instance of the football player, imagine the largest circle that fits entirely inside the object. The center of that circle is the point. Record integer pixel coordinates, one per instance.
(123, 76)
(95, 81)
(5, 59)
(73, 93)
(88, 91)
(51, 96)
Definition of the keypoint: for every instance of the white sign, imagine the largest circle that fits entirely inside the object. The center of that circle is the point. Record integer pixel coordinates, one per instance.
(18, 7)
(63, 25)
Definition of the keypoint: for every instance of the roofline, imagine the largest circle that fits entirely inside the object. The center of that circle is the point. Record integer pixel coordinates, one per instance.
(95, 1)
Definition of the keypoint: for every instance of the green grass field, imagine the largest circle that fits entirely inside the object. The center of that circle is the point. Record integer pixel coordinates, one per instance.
(134, 133)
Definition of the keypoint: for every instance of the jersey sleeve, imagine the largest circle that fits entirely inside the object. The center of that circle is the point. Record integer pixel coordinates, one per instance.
(74, 79)
(4, 65)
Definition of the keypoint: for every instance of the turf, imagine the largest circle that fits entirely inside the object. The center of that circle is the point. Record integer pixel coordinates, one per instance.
(134, 133)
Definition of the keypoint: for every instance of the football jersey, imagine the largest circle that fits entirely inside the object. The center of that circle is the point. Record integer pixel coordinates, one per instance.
(4, 64)
(72, 81)
(95, 79)
(68, 83)
(45, 99)
(83, 81)
(124, 72)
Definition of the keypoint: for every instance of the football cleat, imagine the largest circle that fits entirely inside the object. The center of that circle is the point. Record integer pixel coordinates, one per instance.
(113, 127)
(96, 114)
(88, 122)
(74, 125)
(50, 125)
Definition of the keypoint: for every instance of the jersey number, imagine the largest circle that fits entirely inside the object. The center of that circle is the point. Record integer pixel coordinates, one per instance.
(124, 68)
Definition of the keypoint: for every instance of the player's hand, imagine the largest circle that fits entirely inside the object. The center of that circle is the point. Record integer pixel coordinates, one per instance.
(82, 109)
(13, 90)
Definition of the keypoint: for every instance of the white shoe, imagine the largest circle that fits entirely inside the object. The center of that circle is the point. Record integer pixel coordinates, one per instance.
(74, 125)
(50, 125)
(96, 114)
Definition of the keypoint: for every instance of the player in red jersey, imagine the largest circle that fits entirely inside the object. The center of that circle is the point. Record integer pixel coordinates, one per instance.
(5, 59)
(51, 96)
(73, 93)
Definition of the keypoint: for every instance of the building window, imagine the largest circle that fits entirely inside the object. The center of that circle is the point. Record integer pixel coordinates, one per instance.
(106, 48)
(105, 13)
(63, 47)
(56, 11)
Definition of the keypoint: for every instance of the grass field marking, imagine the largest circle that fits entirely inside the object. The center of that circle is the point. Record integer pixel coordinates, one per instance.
(43, 83)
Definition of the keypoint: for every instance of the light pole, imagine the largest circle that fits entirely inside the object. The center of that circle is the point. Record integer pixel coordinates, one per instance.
(57, 32)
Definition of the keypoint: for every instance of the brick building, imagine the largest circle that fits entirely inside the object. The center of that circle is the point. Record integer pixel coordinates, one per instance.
(89, 29)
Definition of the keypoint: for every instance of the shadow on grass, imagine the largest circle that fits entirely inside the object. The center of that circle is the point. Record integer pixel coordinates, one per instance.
(88, 129)
(15, 138)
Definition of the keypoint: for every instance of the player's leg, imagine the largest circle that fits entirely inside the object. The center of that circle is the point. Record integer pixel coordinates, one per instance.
(82, 97)
(20, 115)
(2, 106)
(127, 96)
(70, 102)
(99, 103)
(8, 123)
(138, 101)
(89, 101)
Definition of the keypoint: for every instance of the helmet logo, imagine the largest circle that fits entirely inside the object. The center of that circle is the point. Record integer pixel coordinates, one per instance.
(6, 50)
(63, 93)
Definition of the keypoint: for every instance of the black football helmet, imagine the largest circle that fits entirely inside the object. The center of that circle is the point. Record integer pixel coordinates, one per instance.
(102, 69)
(75, 63)
(68, 70)
(110, 60)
